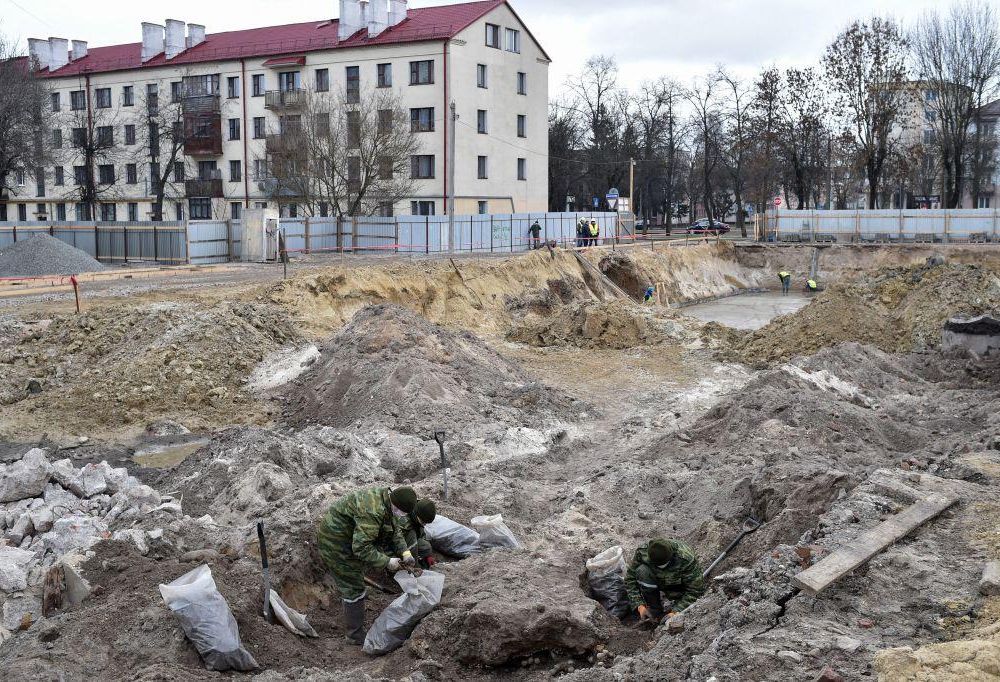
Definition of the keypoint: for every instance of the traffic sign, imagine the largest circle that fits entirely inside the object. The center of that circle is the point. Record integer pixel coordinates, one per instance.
(597, 202)
(613, 194)
(777, 202)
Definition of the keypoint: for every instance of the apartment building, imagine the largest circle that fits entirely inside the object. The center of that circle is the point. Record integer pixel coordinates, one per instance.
(471, 75)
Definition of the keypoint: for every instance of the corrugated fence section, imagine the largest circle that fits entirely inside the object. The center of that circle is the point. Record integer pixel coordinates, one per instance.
(885, 226)
(110, 243)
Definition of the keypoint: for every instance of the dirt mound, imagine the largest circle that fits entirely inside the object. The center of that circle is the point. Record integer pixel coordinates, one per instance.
(392, 366)
(120, 367)
(44, 255)
(898, 310)
(614, 324)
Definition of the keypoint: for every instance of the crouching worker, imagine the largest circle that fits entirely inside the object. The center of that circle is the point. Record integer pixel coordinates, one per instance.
(669, 567)
(424, 513)
(353, 538)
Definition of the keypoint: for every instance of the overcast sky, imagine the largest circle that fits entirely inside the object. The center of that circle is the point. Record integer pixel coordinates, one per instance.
(650, 38)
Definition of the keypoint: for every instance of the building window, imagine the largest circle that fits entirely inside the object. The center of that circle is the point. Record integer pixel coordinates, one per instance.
(128, 96)
(22, 212)
(82, 211)
(385, 209)
(235, 210)
(984, 201)
(80, 175)
(522, 169)
(353, 84)
(200, 208)
(422, 120)
(57, 138)
(481, 76)
(102, 98)
(260, 170)
(422, 73)
(353, 129)
(385, 168)
(289, 81)
(60, 211)
(482, 168)
(259, 128)
(233, 87)
(152, 98)
(235, 171)
(105, 137)
(77, 100)
(106, 174)
(385, 121)
(129, 134)
(481, 121)
(234, 129)
(207, 170)
(109, 212)
(178, 211)
(484, 207)
(39, 182)
(324, 209)
(513, 43)
(56, 103)
(178, 171)
(322, 124)
(154, 177)
(257, 85)
(40, 212)
(422, 166)
(175, 91)
(353, 174)
(929, 136)
(493, 36)
(422, 207)
(133, 212)
(384, 75)
(522, 125)
(322, 80)
(522, 83)
(78, 137)
(58, 176)
(131, 174)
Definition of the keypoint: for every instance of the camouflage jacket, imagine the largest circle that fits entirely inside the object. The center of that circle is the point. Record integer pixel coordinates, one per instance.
(680, 580)
(412, 530)
(363, 522)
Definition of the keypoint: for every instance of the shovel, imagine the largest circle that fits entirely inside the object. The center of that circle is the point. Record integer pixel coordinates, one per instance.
(749, 526)
(266, 571)
(439, 437)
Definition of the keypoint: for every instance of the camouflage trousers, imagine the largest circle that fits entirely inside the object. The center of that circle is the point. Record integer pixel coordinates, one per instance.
(348, 571)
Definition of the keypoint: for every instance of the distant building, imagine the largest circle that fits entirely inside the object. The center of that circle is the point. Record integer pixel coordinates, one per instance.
(237, 87)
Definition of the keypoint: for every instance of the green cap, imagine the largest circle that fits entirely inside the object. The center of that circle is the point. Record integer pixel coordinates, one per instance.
(425, 511)
(403, 499)
(660, 552)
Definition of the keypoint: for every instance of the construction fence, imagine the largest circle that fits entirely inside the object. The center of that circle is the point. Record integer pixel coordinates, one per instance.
(109, 243)
(959, 226)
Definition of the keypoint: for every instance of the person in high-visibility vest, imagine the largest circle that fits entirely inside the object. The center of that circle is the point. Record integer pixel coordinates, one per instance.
(786, 281)
(595, 232)
(811, 286)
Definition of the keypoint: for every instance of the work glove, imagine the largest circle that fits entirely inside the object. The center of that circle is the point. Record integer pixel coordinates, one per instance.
(644, 614)
(395, 564)
(430, 561)
(408, 559)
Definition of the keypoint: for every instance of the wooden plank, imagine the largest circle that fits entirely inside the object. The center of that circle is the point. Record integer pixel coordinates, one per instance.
(820, 576)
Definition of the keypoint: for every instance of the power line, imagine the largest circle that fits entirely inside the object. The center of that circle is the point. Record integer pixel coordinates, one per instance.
(30, 14)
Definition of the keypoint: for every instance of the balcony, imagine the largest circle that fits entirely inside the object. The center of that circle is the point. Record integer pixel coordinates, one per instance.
(204, 187)
(288, 143)
(201, 104)
(284, 99)
(203, 134)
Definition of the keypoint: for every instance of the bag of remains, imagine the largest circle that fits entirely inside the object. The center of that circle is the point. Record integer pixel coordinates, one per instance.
(606, 579)
(207, 621)
(494, 533)
(452, 538)
(394, 625)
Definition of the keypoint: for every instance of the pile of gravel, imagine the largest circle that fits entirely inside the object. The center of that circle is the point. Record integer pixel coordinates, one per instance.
(41, 254)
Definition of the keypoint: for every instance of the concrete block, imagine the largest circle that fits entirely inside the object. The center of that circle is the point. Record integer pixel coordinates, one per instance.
(25, 478)
(989, 585)
(77, 587)
(76, 531)
(21, 612)
(14, 568)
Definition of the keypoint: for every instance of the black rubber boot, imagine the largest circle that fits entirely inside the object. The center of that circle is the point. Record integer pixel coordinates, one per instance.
(354, 622)
(653, 601)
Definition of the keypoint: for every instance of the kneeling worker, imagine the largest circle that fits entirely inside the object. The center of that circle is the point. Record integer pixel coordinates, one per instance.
(811, 286)
(424, 513)
(667, 566)
(353, 537)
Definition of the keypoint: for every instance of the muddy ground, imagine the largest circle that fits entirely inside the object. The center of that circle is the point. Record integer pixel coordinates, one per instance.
(585, 419)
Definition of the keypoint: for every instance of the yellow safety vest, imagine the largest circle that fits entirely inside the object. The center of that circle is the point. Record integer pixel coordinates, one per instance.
(784, 274)
(595, 231)
(811, 284)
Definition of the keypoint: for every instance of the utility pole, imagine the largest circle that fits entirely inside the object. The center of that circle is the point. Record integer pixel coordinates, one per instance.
(829, 171)
(451, 179)
(631, 184)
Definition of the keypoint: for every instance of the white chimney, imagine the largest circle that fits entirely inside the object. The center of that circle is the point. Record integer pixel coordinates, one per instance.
(397, 11)
(79, 49)
(378, 17)
(350, 19)
(40, 52)
(60, 53)
(152, 40)
(175, 38)
(196, 35)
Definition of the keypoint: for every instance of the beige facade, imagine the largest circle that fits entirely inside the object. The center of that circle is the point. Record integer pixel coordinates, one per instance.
(239, 163)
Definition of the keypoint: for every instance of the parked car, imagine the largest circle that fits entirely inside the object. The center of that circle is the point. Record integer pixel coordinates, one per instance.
(706, 226)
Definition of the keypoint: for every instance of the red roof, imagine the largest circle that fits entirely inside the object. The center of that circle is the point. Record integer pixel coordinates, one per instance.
(428, 23)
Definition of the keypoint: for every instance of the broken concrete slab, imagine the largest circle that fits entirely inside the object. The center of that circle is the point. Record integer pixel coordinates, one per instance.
(77, 587)
(13, 568)
(21, 612)
(989, 585)
(824, 573)
(76, 531)
(980, 335)
(25, 478)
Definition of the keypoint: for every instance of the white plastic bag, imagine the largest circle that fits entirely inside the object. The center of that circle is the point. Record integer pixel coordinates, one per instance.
(452, 538)
(207, 621)
(294, 621)
(493, 533)
(606, 578)
(394, 625)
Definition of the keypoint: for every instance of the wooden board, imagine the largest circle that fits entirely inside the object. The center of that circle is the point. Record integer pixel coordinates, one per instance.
(816, 578)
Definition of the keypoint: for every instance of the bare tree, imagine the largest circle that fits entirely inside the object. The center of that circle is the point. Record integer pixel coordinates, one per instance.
(93, 154)
(567, 167)
(737, 111)
(866, 70)
(804, 134)
(766, 132)
(706, 122)
(957, 56)
(25, 116)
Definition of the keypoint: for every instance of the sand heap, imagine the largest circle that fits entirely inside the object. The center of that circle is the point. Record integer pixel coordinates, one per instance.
(897, 310)
(616, 324)
(41, 254)
(412, 376)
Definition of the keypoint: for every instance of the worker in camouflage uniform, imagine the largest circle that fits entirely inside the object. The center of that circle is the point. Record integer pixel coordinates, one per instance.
(667, 566)
(412, 525)
(355, 535)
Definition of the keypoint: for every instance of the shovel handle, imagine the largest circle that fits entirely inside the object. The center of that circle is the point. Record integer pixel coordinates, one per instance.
(263, 544)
